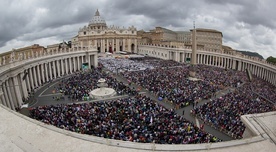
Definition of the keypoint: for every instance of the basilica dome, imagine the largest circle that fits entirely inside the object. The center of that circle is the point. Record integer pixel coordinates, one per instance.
(97, 20)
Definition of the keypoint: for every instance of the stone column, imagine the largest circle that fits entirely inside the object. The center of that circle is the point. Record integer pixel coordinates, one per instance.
(62, 66)
(58, 68)
(55, 69)
(102, 45)
(27, 79)
(31, 78)
(39, 75)
(18, 91)
(239, 65)
(8, 98)
(124, 44)
(112, 45)
(75, 64)
(2, 95)
(70, 65)
(43, 72)
(46, 72)
(78, 60)
(35, 76)
(82, 59)
(259, 72)
(129, 45)
(24, 87)
(66, 66)
(51, 70)
(117, 45)
(135, 45)
(10, 95)
(233, 64)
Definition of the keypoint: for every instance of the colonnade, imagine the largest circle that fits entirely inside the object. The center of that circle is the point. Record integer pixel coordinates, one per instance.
(18, 83)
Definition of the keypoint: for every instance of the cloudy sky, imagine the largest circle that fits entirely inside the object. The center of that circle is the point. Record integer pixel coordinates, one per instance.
(245, 24)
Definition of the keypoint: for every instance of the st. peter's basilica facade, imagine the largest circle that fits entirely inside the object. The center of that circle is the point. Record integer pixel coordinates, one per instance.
(106, 39)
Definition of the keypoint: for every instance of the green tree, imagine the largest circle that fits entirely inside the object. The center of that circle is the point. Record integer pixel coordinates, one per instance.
(271, 60)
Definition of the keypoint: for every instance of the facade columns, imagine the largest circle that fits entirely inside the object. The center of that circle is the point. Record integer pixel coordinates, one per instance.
(66, 66)
(112, 48)
(124, 44)
(117, 45)
(135, 46)
(102, 45)
(129, 45)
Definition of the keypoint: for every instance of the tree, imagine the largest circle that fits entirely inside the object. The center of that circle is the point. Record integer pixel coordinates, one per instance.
(271, 60)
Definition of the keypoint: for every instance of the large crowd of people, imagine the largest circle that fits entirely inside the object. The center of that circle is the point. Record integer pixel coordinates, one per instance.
(79, 85)
(173, 83)
(224, 113)
(135, 64)
(137, 119)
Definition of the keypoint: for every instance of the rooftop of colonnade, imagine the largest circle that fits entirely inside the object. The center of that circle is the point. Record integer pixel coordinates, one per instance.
(35, 53)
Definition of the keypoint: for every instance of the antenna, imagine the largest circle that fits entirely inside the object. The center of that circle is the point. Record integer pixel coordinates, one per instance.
(194, 24)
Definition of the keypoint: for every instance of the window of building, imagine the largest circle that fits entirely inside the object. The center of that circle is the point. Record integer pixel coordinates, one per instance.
(84, 33)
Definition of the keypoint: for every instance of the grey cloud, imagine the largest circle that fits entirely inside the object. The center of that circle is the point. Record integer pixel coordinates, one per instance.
(245, 24)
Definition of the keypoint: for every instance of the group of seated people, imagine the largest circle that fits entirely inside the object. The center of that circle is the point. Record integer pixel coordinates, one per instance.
(173, 83)
(137, 119)
(224, 113)
(123, 64)
(78, 86)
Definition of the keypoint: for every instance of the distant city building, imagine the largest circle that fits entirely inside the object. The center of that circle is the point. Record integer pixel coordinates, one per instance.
(106, 39)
